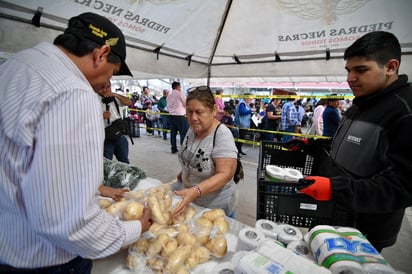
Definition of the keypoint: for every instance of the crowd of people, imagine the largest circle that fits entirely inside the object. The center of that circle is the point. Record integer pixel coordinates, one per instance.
(53, 146)
(270, 119)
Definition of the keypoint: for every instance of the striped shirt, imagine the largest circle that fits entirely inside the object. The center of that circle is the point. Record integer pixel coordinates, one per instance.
(51, 164)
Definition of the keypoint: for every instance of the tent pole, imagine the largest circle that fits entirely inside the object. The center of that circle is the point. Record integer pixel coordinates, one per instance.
(218, 35)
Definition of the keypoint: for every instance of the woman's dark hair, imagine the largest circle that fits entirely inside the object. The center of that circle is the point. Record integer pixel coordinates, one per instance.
(202, 94)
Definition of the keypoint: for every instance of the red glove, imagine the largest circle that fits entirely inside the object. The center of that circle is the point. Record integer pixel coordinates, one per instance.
(296, 144)
(317, 187)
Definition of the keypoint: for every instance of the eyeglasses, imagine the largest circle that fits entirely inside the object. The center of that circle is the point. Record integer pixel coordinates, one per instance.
(200, 88)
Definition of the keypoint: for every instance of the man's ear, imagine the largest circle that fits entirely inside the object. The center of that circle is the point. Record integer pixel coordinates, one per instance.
(392, 66)
(99, 54)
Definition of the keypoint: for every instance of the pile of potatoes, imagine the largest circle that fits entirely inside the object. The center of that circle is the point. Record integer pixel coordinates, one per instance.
(172, 245)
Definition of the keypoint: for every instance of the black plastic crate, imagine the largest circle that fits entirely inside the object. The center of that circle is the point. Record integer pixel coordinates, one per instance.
(281, 202)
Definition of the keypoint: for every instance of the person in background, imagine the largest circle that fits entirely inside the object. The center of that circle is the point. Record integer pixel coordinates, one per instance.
(243, 115)
(119, 147)
(331, 117)
(289, 120)
(317, 118)
(273, 115)
(372, 146)
(302, 118)
(51, 162)
(176, 104)
(153, 115)
(208, 157)
(162, 106)
(219, 103)
(144, 99)
(228, 121)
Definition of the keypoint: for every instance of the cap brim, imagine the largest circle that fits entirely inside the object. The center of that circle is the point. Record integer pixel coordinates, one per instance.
(124, 70)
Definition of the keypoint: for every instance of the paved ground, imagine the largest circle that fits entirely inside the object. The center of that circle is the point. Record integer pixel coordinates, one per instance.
(154, 157)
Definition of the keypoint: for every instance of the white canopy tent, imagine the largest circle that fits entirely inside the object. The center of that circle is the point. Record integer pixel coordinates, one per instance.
(222, 40)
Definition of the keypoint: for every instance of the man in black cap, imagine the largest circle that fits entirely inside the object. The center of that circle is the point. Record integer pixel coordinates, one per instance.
(51, 164)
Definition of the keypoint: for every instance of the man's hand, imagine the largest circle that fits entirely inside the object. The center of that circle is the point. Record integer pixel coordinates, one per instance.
(146, 219)
(317, 187)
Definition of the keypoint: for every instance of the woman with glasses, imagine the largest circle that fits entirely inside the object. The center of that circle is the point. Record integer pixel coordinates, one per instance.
(208, 157)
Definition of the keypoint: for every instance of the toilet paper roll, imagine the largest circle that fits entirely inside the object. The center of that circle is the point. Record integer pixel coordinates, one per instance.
(268, 227)
(292, 175)
(237, 257)
(371, 260)
(288, 233)
(275, 173)
(291, 262)
(250, 238)
(224, 268)
(329, 251)
(301, 248)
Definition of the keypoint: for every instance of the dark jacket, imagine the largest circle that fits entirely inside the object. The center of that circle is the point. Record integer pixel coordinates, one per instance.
(373, 145)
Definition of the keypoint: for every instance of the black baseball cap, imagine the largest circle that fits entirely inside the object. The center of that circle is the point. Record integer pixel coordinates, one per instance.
(102, 31)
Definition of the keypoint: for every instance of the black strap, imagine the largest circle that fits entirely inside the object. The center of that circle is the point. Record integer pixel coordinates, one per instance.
(118, 111)
(214, 135)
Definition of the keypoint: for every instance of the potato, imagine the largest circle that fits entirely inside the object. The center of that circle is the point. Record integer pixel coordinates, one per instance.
(133, 262)
(192, 261)
(179, 219)
(202, 253)
(171, 231)
(203, 225)
(202, 230)
(177, 258)
(213, 214)
(189, 213)
(182, 227)
(117, 208)
(155, 227)
(157, 213)
(182, 270)
(141, 245)
(156, 264)
(154, 248)
(163, 238)
(104, 203)
(217, 246)
(168, 201)
(221, 224)
(169, 248)
(134, 194)
(133, 211)
(186, 238)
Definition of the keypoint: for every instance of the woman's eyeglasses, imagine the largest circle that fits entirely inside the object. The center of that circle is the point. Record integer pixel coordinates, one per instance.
(200, 88)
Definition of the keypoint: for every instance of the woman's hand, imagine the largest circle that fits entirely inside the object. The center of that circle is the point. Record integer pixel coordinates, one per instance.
(188, 195)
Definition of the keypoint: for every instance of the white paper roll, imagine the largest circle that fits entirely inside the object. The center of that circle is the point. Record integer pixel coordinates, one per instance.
(249, 238)
(224, 268)
(372, 260)
(288, 233)
(301, 248)
(268, 227)
(237, 256)
(275, 173)
(325, 243)
(284, 257)
(292, 175)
